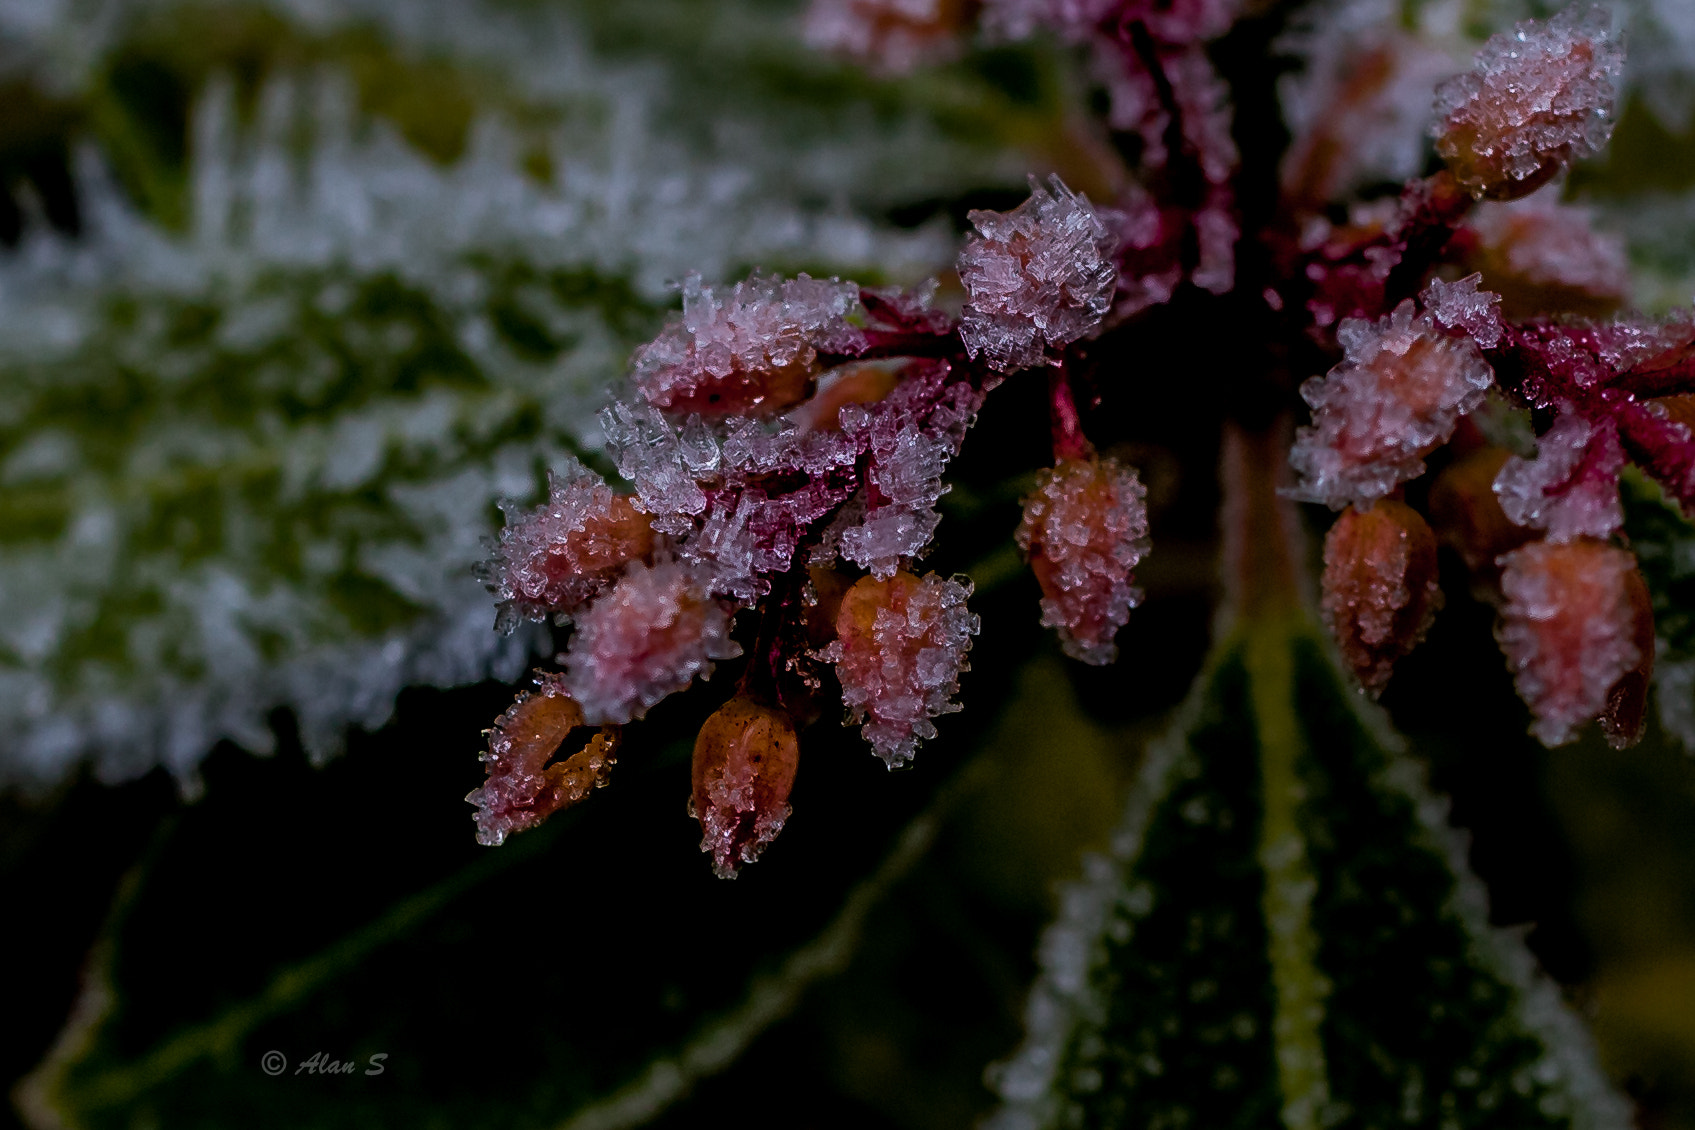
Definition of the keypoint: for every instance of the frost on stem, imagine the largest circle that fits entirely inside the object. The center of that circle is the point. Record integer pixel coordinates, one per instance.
(552, 559)
(1578, 633)
(1039, 276)
(1084, 529)
(1536, 98)
(887, 36)
(1380, 587)
(744, 768)
(900, 647)
(1571, 488)
(645, 638)
(750, 351)
(1401, 388)
(522, 790)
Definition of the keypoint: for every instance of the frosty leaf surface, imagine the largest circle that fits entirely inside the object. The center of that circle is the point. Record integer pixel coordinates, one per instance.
(1286, 931)
(355, 275)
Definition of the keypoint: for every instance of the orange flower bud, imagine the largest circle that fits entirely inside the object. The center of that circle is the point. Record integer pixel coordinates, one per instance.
(865, 382)
(744, 767)
(1467, 516)
(522, 790)
(1578, 634)
(1380, 588)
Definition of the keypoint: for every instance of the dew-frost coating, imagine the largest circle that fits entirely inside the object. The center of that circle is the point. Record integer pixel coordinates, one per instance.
(1460, 307)
(552, 559)
(1039, 276)
(1398, 393)
(1381, 590)
(1568, 628)
(750, 351)
(1543, 256)
(744, 768)
(887, 36)
(900, 646)
(647, 637)
(1570, 489)
(1084, 529)
(1536, 98)
(522, 790)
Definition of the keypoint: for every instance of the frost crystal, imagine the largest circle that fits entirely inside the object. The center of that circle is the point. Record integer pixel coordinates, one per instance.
(752, 351)
(1399, 391)
(1571, 488)
(1084, 529)
(1569, 628)
(646, 638)
(555, 557)
(1536, 98)
(662, 461)
(522, 790)
(1040, 275)
(744, 768)
(1460, 306)
(900, 647)
(889, 36)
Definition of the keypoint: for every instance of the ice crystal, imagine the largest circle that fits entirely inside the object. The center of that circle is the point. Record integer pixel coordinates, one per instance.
(522, 790)
(649, 636)
(1569, 629)
(1380, 587)
(1461, 306)
(1536, 98)
(1398, 393)
(1037, 277)
(744, 768)
(1571, 488)
(1084, 529)
(553, 558)
(750, 351)
(900, 647)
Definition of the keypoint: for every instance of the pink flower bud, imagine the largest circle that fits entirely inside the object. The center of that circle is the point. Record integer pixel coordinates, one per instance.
(1084, 530)
(1578, 634)
(900, 647)
(1536, 98)
(1380, 587)
(522, 790)
(744, 768)
(646, 638)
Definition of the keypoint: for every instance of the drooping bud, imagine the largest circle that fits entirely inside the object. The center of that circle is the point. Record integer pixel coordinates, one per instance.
(645, 638)
(752, 351)
(522, 790)
(556, 557)
(744, 769)
(1466, 515)
(1084, 529)
(900, 647)
(1535, 99)
(1380, 587)
(1573, 632)
(1039, 276)
(1627, 702)
(1402, 386)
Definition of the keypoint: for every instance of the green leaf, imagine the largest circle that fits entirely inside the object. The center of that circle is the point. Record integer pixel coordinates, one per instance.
(1286, 932)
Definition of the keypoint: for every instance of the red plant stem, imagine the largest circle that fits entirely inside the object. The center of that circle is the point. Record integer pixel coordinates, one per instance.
(1069, 442)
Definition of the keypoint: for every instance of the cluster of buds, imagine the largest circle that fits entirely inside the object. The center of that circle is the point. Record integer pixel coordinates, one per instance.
(786, 440)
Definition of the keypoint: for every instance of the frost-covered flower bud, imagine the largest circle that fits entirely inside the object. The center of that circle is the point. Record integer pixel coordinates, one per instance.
(888, 36)
(1571, 488)
(1544, 257)
(744, 768)
(1380, 587)
(1466, 515)
(522, 790)
(900, 647)
(1536, 98)
(1402, 386)
(645, 638)
(554, 558)
(750, 351)
(1039, 276)
(1084, 529)
(1578, 634)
